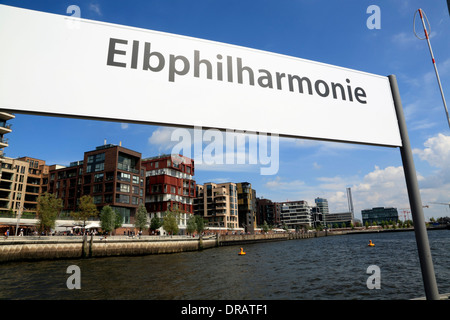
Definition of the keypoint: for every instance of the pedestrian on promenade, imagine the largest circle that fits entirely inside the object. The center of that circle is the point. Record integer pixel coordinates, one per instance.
(6, 234)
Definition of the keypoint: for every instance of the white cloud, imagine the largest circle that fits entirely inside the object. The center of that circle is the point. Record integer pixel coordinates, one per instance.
(316, 165)
(436, 186)
(162, 138)
(95, 7)
(280, 184)
(436, 152)
(404, 38)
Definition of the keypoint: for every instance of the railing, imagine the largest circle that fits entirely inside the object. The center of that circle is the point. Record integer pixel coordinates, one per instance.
(126, 167)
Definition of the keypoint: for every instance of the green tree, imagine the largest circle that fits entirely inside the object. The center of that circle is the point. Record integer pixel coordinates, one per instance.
(141, 218)
(48, 209)
(118, 221)
(265, 226)
(200, 224)
(191, 225)
(170, 222)
(87, 209)
(155, 223)
(107, 219)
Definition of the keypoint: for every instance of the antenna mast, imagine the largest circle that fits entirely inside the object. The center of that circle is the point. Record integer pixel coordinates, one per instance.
(422, 16)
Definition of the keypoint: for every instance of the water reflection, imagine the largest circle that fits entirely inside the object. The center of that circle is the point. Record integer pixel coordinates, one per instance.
(321, 268)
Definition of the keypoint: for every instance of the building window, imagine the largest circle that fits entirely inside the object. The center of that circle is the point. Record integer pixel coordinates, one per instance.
(109, 187)
(108, 198)
(100, 157)
(122, 187)
(98, 177)
(86, 189)
(97, 199)
(121, 198)
(98, 188)
(123, 176)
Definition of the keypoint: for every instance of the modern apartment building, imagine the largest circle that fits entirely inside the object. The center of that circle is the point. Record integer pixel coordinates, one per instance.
(379, 214)
(246, 206)
(65, 183)
(296, 214)
(322, 205)
(217, 203)
(5, 128)
(170, 186)
(5, 166)
(267, 211)
(37, 169)
(337, 219)
(13, 182)
(111, 174)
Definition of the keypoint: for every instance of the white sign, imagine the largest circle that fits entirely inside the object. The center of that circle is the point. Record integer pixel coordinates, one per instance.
(61, 65)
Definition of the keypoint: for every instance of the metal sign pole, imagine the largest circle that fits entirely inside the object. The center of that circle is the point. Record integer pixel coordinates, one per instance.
(423, 246)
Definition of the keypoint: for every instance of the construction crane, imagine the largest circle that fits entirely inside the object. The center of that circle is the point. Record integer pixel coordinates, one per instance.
(407, 211)
(442, 203)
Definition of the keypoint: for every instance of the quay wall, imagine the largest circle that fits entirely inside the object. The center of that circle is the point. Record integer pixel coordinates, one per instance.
(227, 240)
(48, 248)
(67, 247)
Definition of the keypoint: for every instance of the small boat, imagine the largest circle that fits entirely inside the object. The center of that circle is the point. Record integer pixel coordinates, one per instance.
(242, 252)
(371, 244)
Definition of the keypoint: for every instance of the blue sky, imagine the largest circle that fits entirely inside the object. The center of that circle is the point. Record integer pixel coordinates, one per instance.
(332, 32)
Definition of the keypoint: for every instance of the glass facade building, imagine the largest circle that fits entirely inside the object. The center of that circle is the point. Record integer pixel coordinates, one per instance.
(379, 214)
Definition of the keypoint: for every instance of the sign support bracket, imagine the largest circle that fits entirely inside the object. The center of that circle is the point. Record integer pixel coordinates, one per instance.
(426, 262)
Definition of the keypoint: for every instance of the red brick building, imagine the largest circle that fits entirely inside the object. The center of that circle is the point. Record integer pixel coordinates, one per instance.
(111, 174)
(170, 186)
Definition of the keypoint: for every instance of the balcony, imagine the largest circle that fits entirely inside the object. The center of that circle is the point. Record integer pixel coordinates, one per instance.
(6, 116)
(127, 167)
(5, 127)
(3, 143)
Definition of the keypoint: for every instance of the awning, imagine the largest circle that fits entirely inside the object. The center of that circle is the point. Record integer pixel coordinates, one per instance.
(93, 225)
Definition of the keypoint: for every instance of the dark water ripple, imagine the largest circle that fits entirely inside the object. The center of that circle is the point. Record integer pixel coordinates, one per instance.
(322, 268)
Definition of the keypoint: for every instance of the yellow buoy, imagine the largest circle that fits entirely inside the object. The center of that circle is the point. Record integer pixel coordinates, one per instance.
(242, 252)
(371, 244)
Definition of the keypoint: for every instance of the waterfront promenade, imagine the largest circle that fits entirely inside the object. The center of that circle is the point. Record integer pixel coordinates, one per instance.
(28, 248)
(68, 247)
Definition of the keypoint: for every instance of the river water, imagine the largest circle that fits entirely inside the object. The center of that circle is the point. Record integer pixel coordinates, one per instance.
(327, 268)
